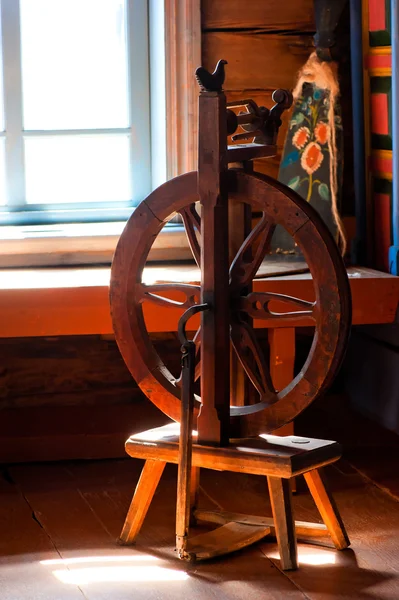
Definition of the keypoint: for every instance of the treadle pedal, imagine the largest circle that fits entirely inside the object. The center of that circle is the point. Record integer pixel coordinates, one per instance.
(223, 540)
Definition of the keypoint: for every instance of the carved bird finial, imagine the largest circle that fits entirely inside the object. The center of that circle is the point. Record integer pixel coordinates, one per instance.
(211, 82)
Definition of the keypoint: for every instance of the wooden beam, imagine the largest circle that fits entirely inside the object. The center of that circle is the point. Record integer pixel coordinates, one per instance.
(80, 306)
(272, 15)
(257, 61)
(72, 432)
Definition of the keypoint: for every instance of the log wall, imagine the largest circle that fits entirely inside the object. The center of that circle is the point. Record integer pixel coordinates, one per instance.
(265, 44)
(72, 397)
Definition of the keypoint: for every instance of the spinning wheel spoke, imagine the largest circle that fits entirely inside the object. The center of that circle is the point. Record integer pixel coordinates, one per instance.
(192, 224)
(249, 257)
(256, 304)
(251, 357)
(154, 293)
(330, 314)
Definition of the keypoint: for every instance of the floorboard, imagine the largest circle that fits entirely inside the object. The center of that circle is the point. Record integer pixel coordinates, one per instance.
(24, 547)
(81, 508)
(59, 525)
(368, 569)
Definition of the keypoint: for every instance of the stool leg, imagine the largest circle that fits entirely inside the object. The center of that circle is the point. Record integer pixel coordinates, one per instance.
(327, 508)
(280, 497)
(282, 364)
(144, 492)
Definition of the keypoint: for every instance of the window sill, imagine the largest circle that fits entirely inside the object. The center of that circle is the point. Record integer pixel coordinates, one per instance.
(80, 244)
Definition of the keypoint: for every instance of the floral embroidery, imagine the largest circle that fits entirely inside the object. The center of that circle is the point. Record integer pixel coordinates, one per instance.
(311, 158)
(308, 150)
(301, 137)
(321, 132)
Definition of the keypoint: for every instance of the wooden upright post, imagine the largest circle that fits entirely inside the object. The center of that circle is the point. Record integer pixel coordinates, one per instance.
(213, 420)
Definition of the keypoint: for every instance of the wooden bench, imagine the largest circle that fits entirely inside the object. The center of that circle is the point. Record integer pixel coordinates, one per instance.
(69, 301)
(74, 301)
(56, 302)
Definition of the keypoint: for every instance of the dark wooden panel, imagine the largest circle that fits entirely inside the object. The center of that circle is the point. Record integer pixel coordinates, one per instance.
(44, 367)
(73, 432)
(371, 379)
(256, 61)
(71, 370)
(115, 395)
(270, 15)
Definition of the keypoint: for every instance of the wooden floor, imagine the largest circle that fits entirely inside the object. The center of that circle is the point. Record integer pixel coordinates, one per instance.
(59, 523)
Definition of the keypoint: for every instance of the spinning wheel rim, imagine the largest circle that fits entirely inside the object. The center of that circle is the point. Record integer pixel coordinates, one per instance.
(331, 289)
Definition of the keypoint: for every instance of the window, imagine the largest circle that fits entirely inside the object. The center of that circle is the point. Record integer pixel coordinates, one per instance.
(98, 107)
(74, 110)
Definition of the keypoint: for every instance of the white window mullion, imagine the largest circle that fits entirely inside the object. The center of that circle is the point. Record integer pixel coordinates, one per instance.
(14, 155)
(139, 98)
(76, 132)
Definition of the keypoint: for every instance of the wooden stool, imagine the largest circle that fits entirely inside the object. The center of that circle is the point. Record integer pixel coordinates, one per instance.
(278, 458)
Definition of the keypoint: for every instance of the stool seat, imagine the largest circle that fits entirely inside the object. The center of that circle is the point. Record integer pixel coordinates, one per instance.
(269, 455)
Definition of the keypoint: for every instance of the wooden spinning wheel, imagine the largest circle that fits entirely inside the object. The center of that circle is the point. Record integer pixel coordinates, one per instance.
(329, 313)
(229, 253)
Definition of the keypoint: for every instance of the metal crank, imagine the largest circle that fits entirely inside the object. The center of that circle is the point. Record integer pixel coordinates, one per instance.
(188, 350)
(239, 532)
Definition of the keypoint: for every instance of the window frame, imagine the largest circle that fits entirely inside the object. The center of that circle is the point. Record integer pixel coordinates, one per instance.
(174, 53)
(17, 211)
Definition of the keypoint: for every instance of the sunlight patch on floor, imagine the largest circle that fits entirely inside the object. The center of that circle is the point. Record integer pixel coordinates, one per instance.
(99, 559)
(138, 570)
(116, 574)
(312, 556)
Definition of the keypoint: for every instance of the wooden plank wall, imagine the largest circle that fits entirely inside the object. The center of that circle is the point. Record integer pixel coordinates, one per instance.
(72, 397)
(265, 44)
